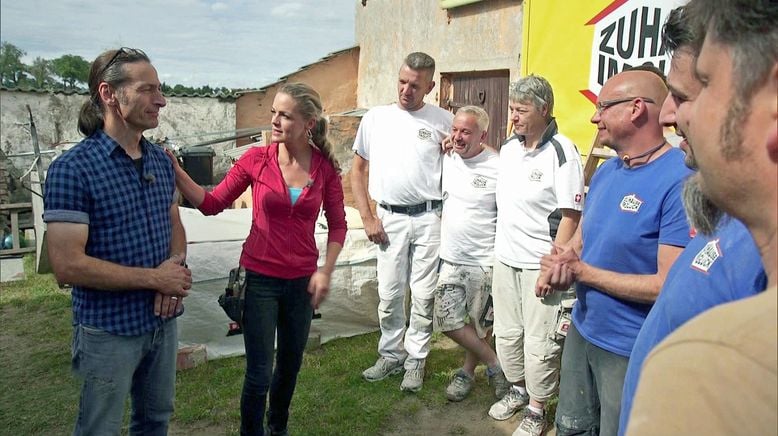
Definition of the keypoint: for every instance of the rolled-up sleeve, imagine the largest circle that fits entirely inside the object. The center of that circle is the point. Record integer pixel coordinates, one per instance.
(65, 198)
(334, 209)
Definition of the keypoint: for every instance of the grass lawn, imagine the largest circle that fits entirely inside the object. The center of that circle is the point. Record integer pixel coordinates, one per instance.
(41, 396)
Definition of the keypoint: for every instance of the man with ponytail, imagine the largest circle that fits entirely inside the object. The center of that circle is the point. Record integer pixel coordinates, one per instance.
(115, 234)
(399, 144)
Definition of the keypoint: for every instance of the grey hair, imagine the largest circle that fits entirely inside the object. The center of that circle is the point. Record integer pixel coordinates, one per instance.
(309, 104)
(91, 117)
(420, 61)
(481, 117)
(535, 90)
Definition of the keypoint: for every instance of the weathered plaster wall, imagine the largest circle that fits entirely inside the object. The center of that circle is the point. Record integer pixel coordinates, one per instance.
(478, 37)
(56, 117)
(334, 78)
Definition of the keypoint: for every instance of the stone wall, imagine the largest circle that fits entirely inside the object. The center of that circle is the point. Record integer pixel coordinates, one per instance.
(56, 116)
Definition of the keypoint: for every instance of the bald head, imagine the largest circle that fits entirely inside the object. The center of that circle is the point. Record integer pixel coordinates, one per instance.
(628, 112)
(638, 83)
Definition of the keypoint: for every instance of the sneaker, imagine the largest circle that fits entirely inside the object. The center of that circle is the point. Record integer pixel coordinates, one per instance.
(500, 383)
(531, 424)
(508, 405)
(460, 386)
(413, 379)
(382, 369)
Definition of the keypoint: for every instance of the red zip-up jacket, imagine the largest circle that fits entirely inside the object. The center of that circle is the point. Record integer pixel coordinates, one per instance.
(281, 241)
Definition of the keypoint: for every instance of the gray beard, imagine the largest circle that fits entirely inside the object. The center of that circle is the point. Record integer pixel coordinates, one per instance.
(703, 215)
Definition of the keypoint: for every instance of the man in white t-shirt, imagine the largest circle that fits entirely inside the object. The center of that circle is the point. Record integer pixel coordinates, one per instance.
(400, 146)
(463, 309)
(539, 196)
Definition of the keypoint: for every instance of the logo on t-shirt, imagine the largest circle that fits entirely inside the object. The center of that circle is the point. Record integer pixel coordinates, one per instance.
(479, 182)
(705, 259)
(631, 203)
(535, 175)
(425, 134)
(578, 198)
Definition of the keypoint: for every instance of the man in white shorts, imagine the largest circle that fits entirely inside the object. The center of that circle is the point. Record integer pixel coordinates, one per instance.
(400, 145)
(463, 309)
(539, 196)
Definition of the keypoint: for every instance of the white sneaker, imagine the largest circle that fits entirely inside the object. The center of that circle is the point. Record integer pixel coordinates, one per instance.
(382, 369)
(413, 378)
(508, 405)
(461, 385)
(531, 424)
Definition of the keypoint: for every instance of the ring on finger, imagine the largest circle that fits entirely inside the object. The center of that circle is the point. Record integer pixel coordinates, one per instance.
(174, 298)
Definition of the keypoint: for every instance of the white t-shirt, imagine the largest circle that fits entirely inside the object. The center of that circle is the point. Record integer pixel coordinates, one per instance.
(404, 152)
(531, 188)
(469, 209)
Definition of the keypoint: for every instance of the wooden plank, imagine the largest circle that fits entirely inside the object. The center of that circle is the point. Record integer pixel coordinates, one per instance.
(13, 206)
(11, 251)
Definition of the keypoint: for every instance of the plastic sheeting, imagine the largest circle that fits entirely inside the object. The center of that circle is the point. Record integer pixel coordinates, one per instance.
(214, 246)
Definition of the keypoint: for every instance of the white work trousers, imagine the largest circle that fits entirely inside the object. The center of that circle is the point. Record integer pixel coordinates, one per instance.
(524, 327)
(410, 258)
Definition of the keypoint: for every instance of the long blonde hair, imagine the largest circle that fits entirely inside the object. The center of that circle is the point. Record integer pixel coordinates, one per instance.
(309, 104)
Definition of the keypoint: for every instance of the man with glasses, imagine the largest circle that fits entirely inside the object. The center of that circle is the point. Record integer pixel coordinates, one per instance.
(632, 230)
(115, 234)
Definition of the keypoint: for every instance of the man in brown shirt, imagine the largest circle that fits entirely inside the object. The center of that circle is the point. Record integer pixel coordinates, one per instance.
(718, 374)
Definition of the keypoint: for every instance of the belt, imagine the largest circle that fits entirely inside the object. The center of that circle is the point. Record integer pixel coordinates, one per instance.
(414, 209)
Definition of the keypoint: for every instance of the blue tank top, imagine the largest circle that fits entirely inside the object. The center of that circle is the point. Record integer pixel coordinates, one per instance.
(294, 194)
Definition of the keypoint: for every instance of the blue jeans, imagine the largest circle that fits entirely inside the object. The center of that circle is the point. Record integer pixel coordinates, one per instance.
(273, 307)
(590, 388)
(113, 366)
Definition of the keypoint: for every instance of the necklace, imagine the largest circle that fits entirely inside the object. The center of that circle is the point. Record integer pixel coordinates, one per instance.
(628, 159)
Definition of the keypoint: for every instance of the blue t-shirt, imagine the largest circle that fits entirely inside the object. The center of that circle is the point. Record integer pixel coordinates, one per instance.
(710, 271)
(629, 212)
(128, 213)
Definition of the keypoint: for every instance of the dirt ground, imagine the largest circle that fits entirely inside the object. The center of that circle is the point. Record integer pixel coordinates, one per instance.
(468, 417)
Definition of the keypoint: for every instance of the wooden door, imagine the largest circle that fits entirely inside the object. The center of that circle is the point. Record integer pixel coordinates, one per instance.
(487, 89)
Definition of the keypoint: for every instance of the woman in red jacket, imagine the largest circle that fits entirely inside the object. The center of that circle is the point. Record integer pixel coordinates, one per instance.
(290, 180)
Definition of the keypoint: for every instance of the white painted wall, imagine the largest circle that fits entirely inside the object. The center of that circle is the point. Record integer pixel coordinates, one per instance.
(478, 37)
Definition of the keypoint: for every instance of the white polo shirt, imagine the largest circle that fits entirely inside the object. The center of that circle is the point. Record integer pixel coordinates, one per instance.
(532, 187)
(403, 150)
(469, 209)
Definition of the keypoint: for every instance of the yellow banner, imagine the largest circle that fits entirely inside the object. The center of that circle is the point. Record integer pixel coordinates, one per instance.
(577, 45)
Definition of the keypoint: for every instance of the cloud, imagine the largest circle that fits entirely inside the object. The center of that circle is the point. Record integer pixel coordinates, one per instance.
(219, 7)
(288, 10)
(233, 43)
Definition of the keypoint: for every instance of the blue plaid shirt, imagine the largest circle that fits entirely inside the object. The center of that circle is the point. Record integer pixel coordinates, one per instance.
(96, 183)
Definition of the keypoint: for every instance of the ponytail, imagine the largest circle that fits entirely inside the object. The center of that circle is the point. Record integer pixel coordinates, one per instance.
(90, 118)
(319, 138)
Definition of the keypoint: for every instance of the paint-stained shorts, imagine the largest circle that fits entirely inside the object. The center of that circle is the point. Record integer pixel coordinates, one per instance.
(463, 293)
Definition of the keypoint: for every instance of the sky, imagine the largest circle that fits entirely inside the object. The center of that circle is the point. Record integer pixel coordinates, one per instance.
(233, 43)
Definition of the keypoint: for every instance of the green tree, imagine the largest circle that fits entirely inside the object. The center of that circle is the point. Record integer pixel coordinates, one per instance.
(40, 72)
(72, 70)
(11, 66)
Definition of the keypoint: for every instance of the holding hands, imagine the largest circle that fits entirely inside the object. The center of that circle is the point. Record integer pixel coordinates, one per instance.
(557, 270)
(175, 280)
